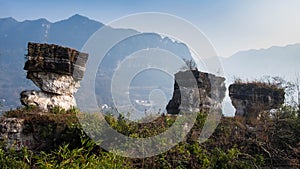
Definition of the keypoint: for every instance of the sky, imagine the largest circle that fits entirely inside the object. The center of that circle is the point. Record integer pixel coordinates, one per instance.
(230, 25)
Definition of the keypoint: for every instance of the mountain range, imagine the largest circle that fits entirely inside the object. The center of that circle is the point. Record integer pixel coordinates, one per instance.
(14, 37)
(282, 61)
(72, 32)
(76, 30)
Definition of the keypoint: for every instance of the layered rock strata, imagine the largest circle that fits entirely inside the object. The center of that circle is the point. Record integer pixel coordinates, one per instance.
(57, 71)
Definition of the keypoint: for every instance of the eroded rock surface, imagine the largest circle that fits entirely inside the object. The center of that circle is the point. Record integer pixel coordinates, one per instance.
(195, 91)
(47, 101)
(54, 83)
(249, 99)
(11, 132)
(56, 59)
(57, 71)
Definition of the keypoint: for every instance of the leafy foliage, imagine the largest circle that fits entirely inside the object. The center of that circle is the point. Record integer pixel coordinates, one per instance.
(273, 142)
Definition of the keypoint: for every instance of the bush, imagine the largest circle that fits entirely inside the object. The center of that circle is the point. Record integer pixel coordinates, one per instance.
(233, 144)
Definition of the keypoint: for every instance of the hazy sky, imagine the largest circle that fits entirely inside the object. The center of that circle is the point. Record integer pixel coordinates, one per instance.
(231, 25)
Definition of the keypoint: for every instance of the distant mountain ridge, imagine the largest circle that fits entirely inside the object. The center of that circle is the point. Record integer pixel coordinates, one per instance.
(14, 37)
(72, 32)
(280, 61)
(18, 33)
(75, 31)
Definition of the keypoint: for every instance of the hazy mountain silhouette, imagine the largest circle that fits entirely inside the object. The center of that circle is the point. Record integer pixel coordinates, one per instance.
(14, 37)
(72, 32)
(261, 63)
(75, 31)
(254, 64)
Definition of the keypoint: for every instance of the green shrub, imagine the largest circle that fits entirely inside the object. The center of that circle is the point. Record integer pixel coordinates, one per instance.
(12, 159)
(233, 145)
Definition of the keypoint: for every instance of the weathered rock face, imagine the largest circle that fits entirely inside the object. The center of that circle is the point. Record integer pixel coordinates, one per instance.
(37, 131)
(195, 91)
(54, 83)
(47, 101)
(56, 70)
(11, 133)
(56, 59)
(249, 99)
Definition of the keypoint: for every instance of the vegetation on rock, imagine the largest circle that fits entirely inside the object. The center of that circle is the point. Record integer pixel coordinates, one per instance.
(274, 141)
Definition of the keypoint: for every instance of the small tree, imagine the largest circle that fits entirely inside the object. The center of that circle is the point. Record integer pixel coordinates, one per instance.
(190, 63)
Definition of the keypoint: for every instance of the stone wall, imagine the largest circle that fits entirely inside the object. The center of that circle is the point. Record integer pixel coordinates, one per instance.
(195, 91)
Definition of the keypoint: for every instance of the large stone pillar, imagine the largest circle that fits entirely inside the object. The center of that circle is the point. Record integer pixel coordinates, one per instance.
(250, 99)
(196, 91)
(56, 70)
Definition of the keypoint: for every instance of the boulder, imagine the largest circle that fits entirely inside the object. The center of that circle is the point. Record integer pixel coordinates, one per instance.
(196, 91)
(57, 71)
(11, 132)
(249, 99)
(46, 101)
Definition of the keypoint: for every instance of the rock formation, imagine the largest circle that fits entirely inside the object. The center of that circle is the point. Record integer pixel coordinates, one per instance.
(249, 99)
(11, 132)
(195, 91)
(56, 70)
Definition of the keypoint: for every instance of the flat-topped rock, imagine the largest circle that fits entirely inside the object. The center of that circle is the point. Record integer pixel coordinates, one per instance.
(196, 91)
(249, 99)
(57, 71)
(56, 59)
